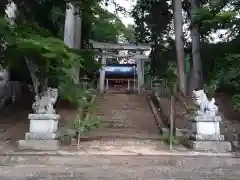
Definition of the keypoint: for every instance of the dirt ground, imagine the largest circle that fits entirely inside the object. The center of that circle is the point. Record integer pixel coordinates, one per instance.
(13, 124)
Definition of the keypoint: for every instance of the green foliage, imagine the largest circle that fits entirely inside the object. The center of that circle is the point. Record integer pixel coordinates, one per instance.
(153, 20)
(129, 35)
(97, 23)
(6, 37)
(107, 27)
(89, 123)
(153, 24)
(51, 55)
(236, 102)
(167, 139)
(77, 94)
(231, 78)
(48, 14)
(103, 30)
(210, 21)
(84, 98)
(225, 76)
(89, 64)
(5, 29)
(211, 88)
(47, 48)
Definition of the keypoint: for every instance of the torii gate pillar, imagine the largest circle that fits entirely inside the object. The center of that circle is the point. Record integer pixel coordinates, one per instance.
(73, 22)
(72, 32)
(140, 74)
(102, 75)
(140, 61)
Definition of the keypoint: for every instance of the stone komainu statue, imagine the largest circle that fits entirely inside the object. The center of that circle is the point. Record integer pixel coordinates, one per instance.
(44, 102)
(205, 107)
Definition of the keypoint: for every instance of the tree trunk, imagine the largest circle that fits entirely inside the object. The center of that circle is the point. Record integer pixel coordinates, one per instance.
(196, 81)
(178, 23)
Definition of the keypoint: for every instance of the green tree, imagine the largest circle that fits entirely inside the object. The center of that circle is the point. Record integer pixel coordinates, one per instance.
(107, 27)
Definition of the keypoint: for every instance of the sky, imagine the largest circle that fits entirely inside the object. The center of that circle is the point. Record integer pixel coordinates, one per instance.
(128, 5)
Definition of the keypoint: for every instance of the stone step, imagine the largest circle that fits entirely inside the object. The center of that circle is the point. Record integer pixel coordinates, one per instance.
(126, 134)
(48, 145)
(114, 145)
(212, 146)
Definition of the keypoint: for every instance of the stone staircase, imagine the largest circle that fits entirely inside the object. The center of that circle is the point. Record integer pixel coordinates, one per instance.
(128, 126)
(126, 115)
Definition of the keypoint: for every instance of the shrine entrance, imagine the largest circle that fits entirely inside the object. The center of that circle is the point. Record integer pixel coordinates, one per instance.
(128, 73)
(121, 77)
(128, 124)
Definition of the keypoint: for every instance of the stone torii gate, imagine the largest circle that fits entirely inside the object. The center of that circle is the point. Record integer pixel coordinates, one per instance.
(139, 58)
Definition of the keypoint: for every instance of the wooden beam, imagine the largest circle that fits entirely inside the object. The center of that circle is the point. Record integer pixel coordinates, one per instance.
(112, 46)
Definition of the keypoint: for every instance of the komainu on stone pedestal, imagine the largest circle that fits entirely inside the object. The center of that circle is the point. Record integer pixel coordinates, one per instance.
(43, 123)
(205, 125)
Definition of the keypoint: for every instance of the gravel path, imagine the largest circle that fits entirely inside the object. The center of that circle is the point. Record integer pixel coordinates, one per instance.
(123, 168)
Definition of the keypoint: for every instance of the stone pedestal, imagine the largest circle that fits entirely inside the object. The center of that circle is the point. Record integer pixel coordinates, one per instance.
(43, 133)
(205, 135)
